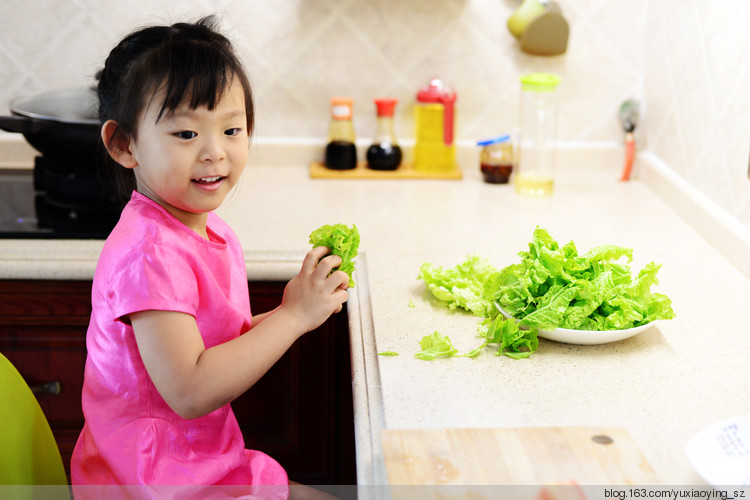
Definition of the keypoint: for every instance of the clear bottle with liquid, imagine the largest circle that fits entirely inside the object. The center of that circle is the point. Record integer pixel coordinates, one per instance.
(384, 153)
(537, 143)
(341, 152)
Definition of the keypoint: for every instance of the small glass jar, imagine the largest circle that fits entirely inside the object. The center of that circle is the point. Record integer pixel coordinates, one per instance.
(496, 159)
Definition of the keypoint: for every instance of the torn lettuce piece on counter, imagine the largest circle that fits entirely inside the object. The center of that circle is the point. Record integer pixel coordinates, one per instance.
(469, 285)
(434, 346)
(342, 241)
(510, 339)
(555, 287)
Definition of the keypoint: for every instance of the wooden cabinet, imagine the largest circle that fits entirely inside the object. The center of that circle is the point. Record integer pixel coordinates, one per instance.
(300, 412)
(43, 333)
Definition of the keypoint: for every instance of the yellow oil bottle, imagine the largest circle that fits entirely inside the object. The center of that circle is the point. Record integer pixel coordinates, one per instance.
(434, 113)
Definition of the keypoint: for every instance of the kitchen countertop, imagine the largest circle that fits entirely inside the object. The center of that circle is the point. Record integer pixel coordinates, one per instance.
(663, 385)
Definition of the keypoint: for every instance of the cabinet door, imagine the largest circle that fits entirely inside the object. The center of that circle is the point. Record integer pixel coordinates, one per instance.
(42, 332)
(301, 411)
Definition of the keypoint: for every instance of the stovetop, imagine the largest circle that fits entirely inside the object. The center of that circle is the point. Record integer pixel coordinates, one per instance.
(24, 213)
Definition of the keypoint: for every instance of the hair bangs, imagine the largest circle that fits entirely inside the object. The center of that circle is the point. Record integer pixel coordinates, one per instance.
(194, 78)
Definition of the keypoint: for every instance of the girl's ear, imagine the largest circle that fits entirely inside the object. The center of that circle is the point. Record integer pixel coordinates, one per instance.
(118, 146)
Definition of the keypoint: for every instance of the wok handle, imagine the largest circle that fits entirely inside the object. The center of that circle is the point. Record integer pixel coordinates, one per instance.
(23, 124)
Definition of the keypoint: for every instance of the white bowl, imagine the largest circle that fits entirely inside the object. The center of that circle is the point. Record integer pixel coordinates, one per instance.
(720, 453)
(586, 337)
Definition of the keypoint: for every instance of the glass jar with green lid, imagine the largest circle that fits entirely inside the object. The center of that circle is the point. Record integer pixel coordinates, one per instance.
(537, 141)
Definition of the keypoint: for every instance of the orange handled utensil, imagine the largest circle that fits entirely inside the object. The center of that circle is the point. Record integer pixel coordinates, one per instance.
(629, 156)
(629, 112)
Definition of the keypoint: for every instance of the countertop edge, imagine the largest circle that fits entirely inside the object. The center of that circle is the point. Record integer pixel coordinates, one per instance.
(78, 261)
(369, 416)
(720, 229)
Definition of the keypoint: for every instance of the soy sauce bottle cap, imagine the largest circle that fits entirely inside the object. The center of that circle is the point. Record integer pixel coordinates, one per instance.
(342, 108)
(385, 106)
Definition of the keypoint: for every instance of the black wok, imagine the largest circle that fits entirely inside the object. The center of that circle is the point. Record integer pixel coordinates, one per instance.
(61, 124)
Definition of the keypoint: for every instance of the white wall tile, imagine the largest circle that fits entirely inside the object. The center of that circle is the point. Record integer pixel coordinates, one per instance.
(684, 60)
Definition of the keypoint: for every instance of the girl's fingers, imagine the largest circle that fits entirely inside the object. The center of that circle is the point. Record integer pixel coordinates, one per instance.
(340, 279)
(313, 257)
(341, 296)
(320, 266)
(318, 260)
(326, 266)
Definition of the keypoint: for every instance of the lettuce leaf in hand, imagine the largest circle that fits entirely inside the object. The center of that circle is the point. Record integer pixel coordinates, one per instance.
(342, 241)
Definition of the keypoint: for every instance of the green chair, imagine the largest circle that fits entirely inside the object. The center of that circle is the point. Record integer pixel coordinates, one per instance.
(28, 452)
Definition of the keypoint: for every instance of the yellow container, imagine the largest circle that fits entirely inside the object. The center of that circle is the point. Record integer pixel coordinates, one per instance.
(434, 147)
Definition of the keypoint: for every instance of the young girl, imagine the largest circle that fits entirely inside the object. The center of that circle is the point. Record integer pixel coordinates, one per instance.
(171, 340)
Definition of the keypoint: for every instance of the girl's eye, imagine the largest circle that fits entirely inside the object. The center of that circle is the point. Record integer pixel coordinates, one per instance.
(233, 131)
(186, 134)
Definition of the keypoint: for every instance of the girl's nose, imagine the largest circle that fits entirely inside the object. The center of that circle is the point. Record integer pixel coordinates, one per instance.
(212, 150)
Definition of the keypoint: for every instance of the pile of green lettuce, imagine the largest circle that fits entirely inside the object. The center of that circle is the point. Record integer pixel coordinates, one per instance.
(551, 287)
(342, 241)
(555, 287)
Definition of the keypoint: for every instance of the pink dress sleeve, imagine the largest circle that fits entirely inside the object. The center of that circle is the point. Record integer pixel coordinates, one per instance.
(158, 279)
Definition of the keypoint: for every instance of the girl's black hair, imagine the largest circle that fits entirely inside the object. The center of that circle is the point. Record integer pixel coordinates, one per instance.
(190, 63)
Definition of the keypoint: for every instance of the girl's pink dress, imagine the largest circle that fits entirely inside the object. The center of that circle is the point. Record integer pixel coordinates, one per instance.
(151, 261)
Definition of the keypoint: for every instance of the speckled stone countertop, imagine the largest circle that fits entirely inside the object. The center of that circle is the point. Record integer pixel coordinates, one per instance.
(662, 385)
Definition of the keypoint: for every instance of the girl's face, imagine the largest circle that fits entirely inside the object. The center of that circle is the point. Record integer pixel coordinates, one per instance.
(190, 159)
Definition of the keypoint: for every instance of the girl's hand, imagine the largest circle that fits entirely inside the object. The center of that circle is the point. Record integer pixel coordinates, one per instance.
(315, 293)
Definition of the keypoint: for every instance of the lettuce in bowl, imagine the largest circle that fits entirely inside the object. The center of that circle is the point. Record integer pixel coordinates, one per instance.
(553, 292)
(555, 287)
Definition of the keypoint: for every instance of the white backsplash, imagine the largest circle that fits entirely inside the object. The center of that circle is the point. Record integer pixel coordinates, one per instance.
(685, 60)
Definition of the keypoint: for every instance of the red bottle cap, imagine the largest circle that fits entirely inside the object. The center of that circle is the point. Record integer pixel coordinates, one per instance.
(436, 91)
(385, 106)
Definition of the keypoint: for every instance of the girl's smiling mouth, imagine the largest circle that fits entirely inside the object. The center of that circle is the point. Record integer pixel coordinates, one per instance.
(209, 183)
(209, 180)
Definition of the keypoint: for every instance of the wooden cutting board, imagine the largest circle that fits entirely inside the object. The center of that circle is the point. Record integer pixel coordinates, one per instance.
(404, 171)
(515, 456)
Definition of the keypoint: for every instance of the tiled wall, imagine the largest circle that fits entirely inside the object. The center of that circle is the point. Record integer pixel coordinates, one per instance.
(697, 91)
(685, 60)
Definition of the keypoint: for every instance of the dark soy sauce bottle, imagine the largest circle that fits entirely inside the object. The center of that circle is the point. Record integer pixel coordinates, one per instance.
(341, 153)
(385, 153)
